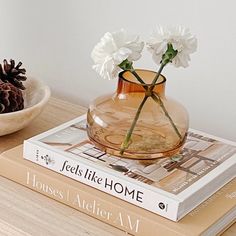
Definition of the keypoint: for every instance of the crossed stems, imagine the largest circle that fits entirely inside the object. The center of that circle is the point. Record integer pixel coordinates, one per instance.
(148, 93)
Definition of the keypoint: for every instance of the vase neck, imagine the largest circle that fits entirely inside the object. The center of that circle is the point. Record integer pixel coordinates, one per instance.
(128, 83)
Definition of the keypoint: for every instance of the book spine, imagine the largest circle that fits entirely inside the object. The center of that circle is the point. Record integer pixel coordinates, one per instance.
(84, 198)
(102, 180)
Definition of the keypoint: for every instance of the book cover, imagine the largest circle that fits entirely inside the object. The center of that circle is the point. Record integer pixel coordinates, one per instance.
(170, 187)
(210, 218)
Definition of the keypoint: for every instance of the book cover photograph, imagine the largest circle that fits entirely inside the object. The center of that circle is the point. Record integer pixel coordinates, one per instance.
(199, 156)
(175, 178)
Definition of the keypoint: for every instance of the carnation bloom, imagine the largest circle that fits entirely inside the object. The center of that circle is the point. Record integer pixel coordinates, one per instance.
(181, 40)
(112, 50)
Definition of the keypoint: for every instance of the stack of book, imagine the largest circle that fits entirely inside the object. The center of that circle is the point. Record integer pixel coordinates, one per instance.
(192, 194)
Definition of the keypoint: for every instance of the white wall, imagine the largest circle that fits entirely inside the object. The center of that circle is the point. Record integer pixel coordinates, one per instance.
(54, 40)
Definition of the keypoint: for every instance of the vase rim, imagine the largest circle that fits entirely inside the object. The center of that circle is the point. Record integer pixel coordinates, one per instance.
(137, 83)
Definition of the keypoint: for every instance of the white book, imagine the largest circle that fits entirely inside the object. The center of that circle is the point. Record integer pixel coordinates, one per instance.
(168, 187)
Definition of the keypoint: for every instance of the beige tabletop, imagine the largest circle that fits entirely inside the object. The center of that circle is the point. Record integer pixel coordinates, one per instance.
(24, 212)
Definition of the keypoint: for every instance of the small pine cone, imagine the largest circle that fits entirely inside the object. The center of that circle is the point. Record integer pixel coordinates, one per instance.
(9, 72)
(11, 98)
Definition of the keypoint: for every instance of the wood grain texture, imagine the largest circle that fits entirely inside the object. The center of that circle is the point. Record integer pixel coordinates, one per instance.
(55, 113)
(24, 212)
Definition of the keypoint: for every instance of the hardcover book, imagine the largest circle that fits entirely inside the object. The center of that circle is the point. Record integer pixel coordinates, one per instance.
(170, 187)
(211, 217)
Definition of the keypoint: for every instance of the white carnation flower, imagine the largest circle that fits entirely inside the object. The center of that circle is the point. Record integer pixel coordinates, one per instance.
(112, 50)
(181, 40)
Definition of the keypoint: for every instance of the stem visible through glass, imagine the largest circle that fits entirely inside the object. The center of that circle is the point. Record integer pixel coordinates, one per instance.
(156, 98)
(125, 143)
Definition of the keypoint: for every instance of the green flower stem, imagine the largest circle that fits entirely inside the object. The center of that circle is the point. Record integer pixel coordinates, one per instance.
(132, 70)
(157, 99)
(157, 76)
(125, 143)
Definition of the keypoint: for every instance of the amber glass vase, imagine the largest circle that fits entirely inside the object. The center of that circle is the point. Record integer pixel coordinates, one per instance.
(160, 130)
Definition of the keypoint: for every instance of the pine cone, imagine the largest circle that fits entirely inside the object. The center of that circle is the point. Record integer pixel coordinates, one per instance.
(10, 73)
(11, 98)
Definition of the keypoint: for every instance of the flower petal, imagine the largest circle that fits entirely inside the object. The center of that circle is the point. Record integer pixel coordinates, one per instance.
(112, 50)
(181, 40)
